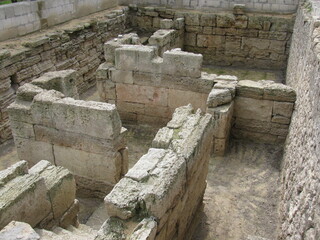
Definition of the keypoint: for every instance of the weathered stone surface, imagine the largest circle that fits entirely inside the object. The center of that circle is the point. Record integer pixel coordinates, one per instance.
(122, 201)
(112, 229)
(146, 230)
(17, 201)
(166, 24)
(178, 98)
(18, 230)
(70, 217)
(230, 85)
(250, 89)
(77, 116)
(278, 92)
(249, 108)
(283, 109)
(163, 138)
(17, 169)
(179, 116)
(141, 170)
(218, 97)
(27, 92)
(23, 130)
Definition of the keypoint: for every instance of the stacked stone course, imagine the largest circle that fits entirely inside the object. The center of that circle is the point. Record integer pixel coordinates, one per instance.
(85, 137)
(237, 39)
(78, 47)
(166, 186)
(43, 196)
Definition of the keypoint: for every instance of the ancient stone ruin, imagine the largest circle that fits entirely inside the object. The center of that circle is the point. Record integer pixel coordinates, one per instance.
(231, 156)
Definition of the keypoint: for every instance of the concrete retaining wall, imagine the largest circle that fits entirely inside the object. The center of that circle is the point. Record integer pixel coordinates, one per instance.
(25, 17)
(78, 46)
(84, 137)
(229, 38)
(300, 212)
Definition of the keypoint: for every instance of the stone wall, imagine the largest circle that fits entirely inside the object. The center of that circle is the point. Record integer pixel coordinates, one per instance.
(278, 6)
(85, 137)
(262, 111)
(159, 196)
(43, 196)
(229, 38)
(147, 88)
(300, 212)
(77, 46)
(25, 17)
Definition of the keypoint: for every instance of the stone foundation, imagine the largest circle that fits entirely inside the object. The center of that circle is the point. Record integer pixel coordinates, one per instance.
(159, 196)
(85, 137)
(43, 196)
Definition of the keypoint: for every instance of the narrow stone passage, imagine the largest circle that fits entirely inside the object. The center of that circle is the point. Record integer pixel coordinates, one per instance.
(242, 194)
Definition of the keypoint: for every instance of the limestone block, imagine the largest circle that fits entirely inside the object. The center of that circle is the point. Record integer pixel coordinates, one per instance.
(28, 91)
(166, 24)
(18, 230)
(250, 89)
(103, 71)
(180, 116)
(77, 116)
(70, 217)
(249, 108)
(140, 172)
(17, 169)
(122, 201)
(60, 184)
(135, 57)
(163, 138)
(146, 230)
(190, 39)
(207, 19)
(21, 129)
(222, 116)
(278, 92)
(106, 90)
(179, 23)
(120, 76)
(61, 81)
(225, 20)
(280, 119)
(218, 97)
(142, 94)
(178, 98)
(283, 109)
(253, 125)
(33, 151)
(220, 146)
(18, 200)
(227, 78)
(230, 85)
(130, 107)
(75, 140)
(112, 229)
(179, 63)
(20, 111)
(89, 165)
(192, 19)
(161, 191)
(161, 37)
(42, 109)
(125, 161)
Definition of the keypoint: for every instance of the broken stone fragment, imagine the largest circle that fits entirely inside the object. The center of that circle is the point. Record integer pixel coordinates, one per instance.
(278, 92)
(179, 116)
(18, 230)
(230, 85)
(122, 201)
(28, 91)
(33, 43)
(163, 138)
(112, 229)
(17, 169)
(218, 97)
(146, 230)
(252, 89)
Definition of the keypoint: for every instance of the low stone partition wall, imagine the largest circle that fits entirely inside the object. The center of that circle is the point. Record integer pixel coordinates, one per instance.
(43, 196)
(85, 137)
(147, 88)
(229, 38)
(77, 46)
(263, 111)
(159, 196)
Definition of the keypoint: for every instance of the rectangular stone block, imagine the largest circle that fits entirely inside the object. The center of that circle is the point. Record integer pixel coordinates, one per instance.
(249, 108)
(77, 116)
(18, 200)
(89, 165)
(22, 130)
(179, 63)
(120, 76)
(33, 151)
(283, 109)
(142, 94)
